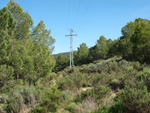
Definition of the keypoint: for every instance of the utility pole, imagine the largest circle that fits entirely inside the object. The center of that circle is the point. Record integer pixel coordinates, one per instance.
(71, 47)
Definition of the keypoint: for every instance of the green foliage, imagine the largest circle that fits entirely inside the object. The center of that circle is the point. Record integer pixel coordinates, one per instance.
(132, 45)
(145, 76)
(62, 61)
(70, 107)
(20, 96)
(42, 36)
(7, 26)
(135, 41)
(6, 73)
(11, 84)
(39, 109)
(75, 80)
(97, 92)
(23, 19)
(26, 60)
(81, 57)
(136, 99)
(41, 52)
(24, 54)
(118, 107)
(49, 101)
(102, 47)
(14, 104)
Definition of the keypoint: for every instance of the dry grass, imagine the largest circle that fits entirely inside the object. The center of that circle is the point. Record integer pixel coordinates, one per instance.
(108, 99)
(86, 88)
(25, 109)
(86, 106)
(62, 111)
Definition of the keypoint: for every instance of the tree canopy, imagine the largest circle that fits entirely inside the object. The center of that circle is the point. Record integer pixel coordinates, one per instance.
(26, 51)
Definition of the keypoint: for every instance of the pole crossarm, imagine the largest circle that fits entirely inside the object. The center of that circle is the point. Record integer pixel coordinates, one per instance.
(71, 35)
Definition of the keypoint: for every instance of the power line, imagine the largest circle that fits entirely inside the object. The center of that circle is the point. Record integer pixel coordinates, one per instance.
(84, 15)
(76, 13)
(68, 15)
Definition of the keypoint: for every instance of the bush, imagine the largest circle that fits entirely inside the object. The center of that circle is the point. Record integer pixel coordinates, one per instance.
(116, 84)
(136, 99)
(100, 91)
(70, 107)
(20, 96)
(15, 104)
(118, 107)
(87, 105)
(39, 109)
(49, 101)
(97, 92)
(10, 85)
(76, 79)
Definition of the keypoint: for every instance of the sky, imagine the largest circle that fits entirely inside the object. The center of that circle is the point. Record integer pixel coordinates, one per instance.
(88, 18)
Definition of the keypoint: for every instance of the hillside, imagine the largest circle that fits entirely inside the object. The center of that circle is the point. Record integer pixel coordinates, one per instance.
(113, 85)
(66, 54)
(112, 76)
(108, 86)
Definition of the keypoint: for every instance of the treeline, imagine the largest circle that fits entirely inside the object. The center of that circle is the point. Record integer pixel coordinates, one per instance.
(25, 50)
(133, 45)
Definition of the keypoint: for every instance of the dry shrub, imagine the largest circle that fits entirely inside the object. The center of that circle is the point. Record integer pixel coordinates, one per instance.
(87, 105)
(1, 111)
(108, 100)
(62, 111)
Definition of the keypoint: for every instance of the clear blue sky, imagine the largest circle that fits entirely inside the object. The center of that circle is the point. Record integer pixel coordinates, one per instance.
(89, 18)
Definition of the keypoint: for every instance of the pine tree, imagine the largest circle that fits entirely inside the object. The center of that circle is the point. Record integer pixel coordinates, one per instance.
(24, 20)
(81, 56)
(7, 25)
(42, 50)
(102, 47)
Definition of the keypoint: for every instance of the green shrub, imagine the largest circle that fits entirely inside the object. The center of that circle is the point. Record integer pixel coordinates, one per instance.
(97, 92)
(80, 97)
(49, 101)
(118, 107)
(116, 84)
(136, 66)
(101, 78)
(76, 79)
(39, 109)
(20, 96)
(15, 104)
(100, 91)
(10, 85)
(145, 76)
(70, 107)
(136, 98)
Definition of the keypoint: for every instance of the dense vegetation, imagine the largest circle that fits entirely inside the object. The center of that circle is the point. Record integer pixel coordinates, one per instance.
(133, 45)
(110, 77)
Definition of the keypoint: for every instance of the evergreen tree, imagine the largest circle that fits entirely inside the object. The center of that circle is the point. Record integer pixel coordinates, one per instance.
(134, 44)
(81, 56)
(141, 40)
(24, 55)
(41, 51)
(7, 25)
(102, 47)
(24, 20)
(62, 61)
(42, 36)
